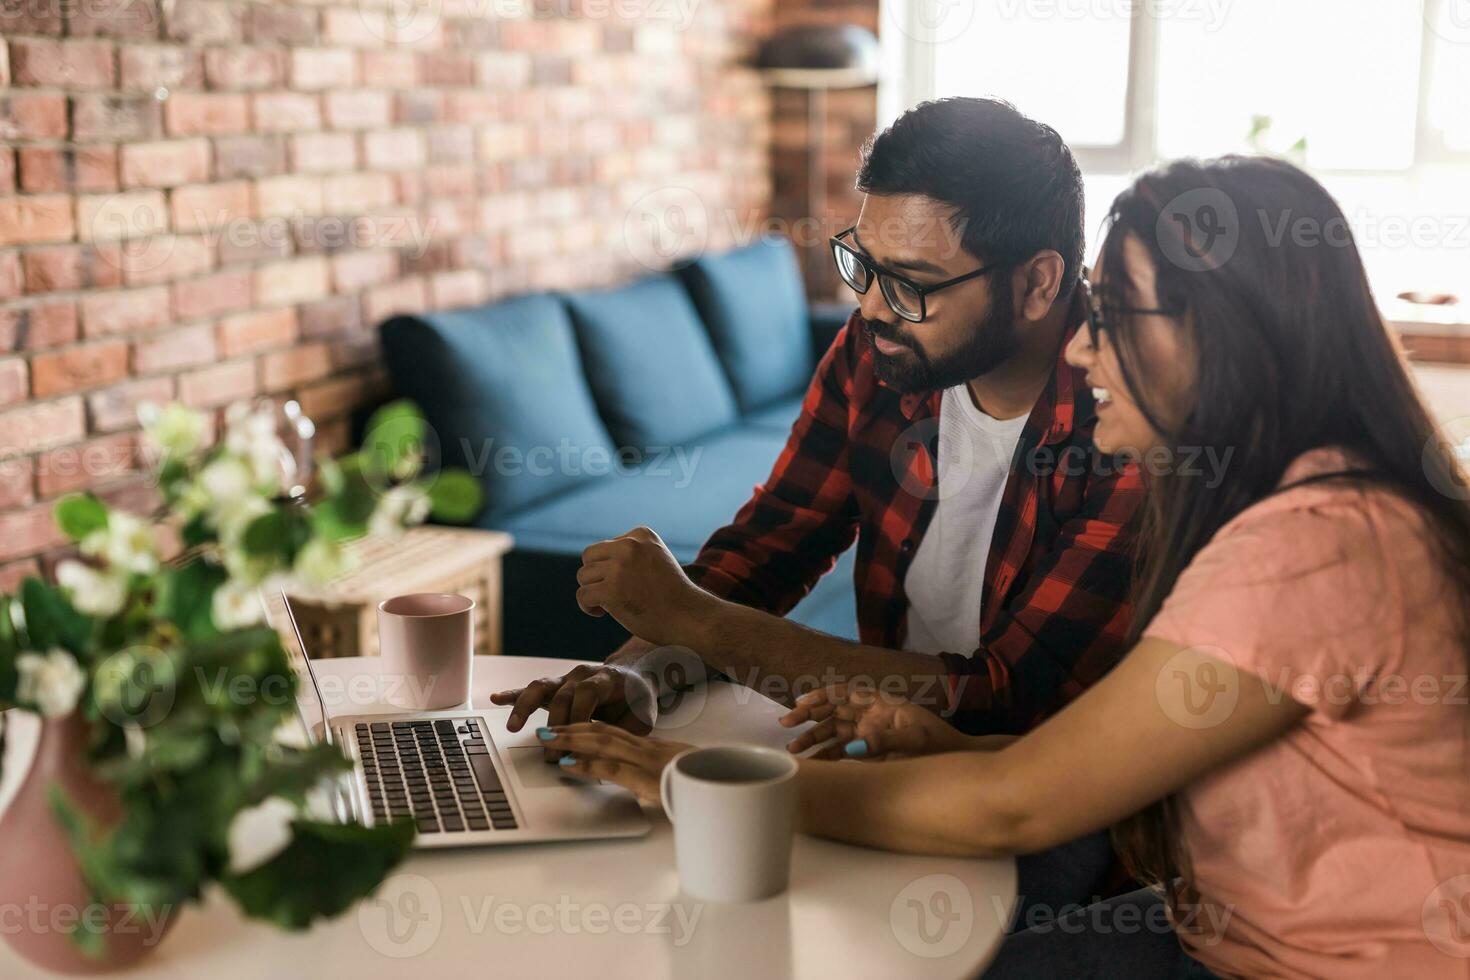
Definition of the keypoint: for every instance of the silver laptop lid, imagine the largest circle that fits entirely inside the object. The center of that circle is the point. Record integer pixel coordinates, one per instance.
(311, 707)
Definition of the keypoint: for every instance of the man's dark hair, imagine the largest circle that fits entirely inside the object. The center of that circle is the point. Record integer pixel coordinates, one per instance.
(1014, 185)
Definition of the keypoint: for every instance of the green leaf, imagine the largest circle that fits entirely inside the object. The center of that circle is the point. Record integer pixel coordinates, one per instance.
(51, 620)
(278, 534)
(395, 437)
(79, 514)
(186, 597)
(456, 496)
(324, 871)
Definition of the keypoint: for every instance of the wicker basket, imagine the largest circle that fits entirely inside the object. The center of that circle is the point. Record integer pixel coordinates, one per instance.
(340, 619)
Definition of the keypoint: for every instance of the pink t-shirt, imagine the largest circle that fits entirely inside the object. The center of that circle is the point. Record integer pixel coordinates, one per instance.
(1343, 848)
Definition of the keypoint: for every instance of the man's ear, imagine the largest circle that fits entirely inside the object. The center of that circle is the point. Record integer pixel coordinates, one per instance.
(1042, 282)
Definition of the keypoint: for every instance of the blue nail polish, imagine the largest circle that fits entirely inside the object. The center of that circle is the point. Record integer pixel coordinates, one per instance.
(856, 749)
(566, 760)
(545, 734)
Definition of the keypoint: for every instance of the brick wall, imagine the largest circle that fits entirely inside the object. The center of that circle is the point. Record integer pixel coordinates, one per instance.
(215, 199)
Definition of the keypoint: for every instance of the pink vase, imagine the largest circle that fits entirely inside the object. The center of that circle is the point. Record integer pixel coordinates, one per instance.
(43, 898)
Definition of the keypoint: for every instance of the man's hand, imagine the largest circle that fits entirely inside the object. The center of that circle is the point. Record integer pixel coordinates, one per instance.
(616, 695)
(600, 751)
(869, 724)
(637, 580)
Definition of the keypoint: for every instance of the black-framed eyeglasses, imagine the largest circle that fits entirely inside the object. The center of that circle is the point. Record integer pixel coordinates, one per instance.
(906, 298)
(1097, 316)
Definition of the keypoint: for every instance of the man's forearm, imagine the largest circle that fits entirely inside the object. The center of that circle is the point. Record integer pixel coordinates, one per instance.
(783, 660)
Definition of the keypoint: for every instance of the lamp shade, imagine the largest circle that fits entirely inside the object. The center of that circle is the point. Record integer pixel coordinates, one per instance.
(826, 56)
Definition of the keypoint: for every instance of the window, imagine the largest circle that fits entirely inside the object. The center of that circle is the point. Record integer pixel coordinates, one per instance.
(1370, 95)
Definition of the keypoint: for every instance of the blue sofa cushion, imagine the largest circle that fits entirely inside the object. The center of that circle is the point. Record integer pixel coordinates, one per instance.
(780, 415)
(754, 303)
(653, 370)
(502, 387)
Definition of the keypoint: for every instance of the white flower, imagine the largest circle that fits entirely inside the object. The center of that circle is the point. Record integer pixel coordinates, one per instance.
(235, 606)
(259, 833)
(250, 433)
(232, 517)
(126, 543)
(52, 682)
(320, 561)
(96, 593)
(134, 741)
(226, 481)
(402, 506)
(175, 430)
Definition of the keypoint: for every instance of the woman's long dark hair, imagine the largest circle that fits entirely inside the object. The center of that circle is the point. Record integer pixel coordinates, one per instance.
(1292, 355)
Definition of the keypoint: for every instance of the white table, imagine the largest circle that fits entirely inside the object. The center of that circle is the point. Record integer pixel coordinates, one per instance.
(605, 909)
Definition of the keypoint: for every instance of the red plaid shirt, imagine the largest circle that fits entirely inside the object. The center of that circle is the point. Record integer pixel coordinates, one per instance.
(859, 464)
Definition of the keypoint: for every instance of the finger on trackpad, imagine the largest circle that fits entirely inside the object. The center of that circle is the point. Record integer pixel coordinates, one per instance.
(534, 772)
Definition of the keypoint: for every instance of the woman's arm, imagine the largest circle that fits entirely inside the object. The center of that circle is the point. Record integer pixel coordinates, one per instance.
(1165, 716)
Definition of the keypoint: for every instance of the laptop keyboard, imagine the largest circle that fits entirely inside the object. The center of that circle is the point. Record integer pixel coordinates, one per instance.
(439, 773)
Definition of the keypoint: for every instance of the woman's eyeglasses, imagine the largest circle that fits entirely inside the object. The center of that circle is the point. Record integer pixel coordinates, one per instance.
(1097, 316)
(906, 298)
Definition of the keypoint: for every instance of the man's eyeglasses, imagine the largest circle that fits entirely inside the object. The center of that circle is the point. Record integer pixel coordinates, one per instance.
(1097, 316)
(906, 298)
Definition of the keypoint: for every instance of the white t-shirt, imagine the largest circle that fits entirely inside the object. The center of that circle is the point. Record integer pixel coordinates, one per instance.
(944, 582)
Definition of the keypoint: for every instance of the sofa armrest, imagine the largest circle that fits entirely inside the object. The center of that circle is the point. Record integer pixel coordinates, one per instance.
(827, 319)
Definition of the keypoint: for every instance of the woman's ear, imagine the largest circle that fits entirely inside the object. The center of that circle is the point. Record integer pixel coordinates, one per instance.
(1043, 281)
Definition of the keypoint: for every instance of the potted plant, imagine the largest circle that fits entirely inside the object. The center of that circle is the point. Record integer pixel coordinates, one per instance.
(163, 767)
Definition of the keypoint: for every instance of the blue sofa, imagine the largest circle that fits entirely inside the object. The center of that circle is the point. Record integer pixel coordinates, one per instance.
(585, 414)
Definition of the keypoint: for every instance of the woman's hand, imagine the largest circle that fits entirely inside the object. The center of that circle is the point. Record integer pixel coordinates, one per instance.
(601, 751)
(639, 582)
(870, 724)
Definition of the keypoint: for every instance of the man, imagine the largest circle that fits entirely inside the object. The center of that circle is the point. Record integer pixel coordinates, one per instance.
(945, 433)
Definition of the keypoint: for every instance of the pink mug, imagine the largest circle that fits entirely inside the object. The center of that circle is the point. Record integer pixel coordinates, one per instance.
(427, 639)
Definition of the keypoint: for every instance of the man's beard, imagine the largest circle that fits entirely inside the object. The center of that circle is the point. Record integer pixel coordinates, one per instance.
(994, 341)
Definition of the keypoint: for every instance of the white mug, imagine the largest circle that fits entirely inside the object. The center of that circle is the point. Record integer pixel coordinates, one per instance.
(427, 639)
(734, 814)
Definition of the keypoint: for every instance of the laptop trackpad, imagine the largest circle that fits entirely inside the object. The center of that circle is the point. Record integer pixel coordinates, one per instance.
(533, 771)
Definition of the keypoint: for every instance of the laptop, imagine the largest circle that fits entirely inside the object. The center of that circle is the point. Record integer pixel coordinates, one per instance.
(457, 773)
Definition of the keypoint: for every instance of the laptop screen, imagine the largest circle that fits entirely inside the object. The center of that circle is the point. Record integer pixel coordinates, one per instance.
(309, 708)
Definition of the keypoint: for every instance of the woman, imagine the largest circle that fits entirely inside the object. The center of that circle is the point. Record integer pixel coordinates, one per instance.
(1285, 747)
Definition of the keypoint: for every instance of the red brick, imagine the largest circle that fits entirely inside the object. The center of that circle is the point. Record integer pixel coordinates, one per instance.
(46, 169)
(164, 258)
(404, 296)
(86, 464)
(149, 67)
(314, 69)
(323, 152)
(280, 370)
(27, 532)
(12, 281)
(17, 480)
(117, 408)
(206, 22)
(256, 331)
(249, 156)
(28, 220)
(165, 164)
(334, 397)
(41, 425)
(38, 325)
(279, 112)
(453, 290)
(62, 64)
(7, 166)
(114, 118)
(44, 18)
(218, 385)
(16, 572)
(210, 208)
(355, 27)
(328, 317)
(288, 196)
(291, 282)
(124, 312)
(78, 368)
(116, 216)
(135, 20)
(243, 68)
(198, 114)
(33, 116)
(71, 267)
(189, 347)
(354, 271)
(394, 149)
(252, 242)
(14, 381)
(354, 193)
(282, 25)
(214, 294)
(358, 109)
(390, 69)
